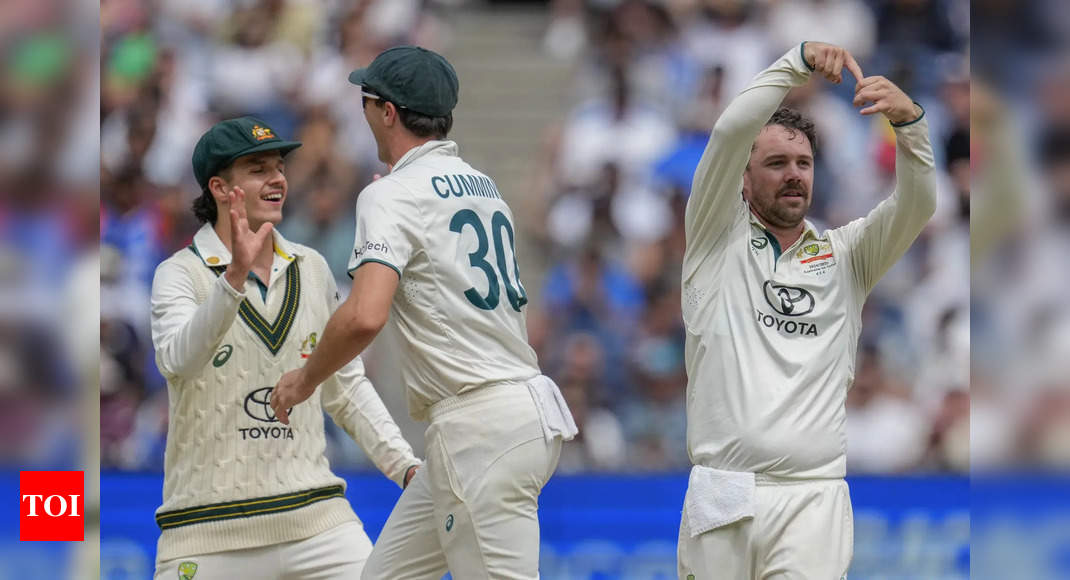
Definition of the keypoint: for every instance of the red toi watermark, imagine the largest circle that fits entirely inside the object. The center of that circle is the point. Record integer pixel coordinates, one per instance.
(51, 506)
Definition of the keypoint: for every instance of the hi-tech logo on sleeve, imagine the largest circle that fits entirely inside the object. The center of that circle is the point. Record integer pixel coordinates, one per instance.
(51, 506)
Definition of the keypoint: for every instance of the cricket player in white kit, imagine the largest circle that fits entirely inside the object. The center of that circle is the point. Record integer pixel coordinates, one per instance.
(772, 309)
(244, 497)
(435, 249)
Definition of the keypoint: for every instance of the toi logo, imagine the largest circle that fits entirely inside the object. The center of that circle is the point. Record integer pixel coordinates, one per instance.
(51, 506)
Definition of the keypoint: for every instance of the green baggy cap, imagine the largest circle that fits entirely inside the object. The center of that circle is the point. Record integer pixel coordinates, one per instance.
(411, 77)
(231, 139)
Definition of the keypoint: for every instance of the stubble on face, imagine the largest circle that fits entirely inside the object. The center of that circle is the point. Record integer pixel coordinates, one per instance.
(779, 176)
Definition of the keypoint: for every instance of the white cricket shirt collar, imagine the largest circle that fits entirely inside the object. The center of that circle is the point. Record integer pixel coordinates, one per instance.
(212, 252)
(429, 148)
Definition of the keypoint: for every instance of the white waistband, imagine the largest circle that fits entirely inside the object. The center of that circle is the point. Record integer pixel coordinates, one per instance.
(766, 479)
(476, 396)
(761, 478)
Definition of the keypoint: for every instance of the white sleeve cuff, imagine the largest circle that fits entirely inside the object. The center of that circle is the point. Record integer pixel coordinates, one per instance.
(235, 294)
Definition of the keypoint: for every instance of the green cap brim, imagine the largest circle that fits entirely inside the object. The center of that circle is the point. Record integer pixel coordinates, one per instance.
(357, 77)
(284, 147)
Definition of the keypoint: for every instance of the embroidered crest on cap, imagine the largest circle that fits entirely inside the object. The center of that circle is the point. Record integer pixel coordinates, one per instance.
(262, 133)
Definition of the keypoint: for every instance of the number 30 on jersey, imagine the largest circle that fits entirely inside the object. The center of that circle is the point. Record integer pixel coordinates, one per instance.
(517, 296)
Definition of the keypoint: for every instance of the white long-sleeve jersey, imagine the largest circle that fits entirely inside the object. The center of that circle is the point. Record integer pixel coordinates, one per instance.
(772, 333)
(459, 308)
(234, 477)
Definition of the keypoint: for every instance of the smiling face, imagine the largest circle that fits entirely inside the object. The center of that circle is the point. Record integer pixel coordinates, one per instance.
(262, 177)
(780, 176)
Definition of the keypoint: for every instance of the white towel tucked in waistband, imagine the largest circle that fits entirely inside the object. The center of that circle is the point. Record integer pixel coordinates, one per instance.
(556, 418)
(717, 498)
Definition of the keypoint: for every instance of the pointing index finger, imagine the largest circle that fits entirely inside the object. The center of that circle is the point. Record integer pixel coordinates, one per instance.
(852, 66)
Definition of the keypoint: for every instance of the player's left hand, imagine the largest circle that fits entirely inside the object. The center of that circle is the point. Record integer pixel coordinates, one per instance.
(829, 60)
(886, 98)
(292, 389)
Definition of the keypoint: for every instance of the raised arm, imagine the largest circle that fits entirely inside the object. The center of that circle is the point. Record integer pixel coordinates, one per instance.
(716, 199)
(187, 329)
(876, 241)
(185, 333)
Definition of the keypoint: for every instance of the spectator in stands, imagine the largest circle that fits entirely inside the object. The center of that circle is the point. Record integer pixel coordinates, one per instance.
(651, 421)
(846, 23)
(617, 129)
(600, 444)
(886, 433)
(316, 224)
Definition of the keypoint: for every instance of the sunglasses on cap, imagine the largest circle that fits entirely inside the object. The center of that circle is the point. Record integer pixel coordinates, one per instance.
(365, 95)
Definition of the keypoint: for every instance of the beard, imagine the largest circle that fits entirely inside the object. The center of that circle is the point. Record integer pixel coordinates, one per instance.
(778, 211)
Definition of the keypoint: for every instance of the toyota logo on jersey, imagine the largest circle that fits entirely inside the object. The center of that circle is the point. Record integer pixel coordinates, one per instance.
(258, 405)
(788, 300)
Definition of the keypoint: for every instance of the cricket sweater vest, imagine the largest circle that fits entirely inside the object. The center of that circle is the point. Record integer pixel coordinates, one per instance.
(234, 477)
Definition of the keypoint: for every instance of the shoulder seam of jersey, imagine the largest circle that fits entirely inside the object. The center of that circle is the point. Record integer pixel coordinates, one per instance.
(377, 261)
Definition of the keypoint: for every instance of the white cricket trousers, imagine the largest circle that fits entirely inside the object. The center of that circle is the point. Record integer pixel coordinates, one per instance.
(801, 530)
(473, 506)
(336, 554)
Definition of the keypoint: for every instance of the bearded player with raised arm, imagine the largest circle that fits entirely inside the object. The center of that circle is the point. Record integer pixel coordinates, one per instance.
(772, 309)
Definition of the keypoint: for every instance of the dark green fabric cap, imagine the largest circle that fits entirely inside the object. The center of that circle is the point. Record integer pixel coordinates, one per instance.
(411, 77)
(231, 139)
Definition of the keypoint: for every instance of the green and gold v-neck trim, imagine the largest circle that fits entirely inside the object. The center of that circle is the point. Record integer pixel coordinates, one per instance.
(272, 334)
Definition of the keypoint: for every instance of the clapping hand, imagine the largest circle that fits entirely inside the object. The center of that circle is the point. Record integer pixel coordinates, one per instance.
(245, 244)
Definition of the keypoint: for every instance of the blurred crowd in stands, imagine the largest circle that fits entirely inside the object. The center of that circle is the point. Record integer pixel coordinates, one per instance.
(48, 229)
(650, 79)
(1020, 235)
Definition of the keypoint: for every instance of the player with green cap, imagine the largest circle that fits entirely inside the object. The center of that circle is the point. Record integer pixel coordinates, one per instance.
(435, 249)
(245, 497)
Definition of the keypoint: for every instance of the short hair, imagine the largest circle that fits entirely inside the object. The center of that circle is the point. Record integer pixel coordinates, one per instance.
(793, 121)
(204, 207)
(423, 125)
(420, 124)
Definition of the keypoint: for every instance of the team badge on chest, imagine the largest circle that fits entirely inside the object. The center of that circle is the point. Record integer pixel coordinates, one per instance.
(816, 257)
(308, 345)
(187, 570)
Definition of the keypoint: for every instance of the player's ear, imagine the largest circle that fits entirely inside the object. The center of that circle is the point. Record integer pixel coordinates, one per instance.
(218, 187)
(390, 114)
(746, 183)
